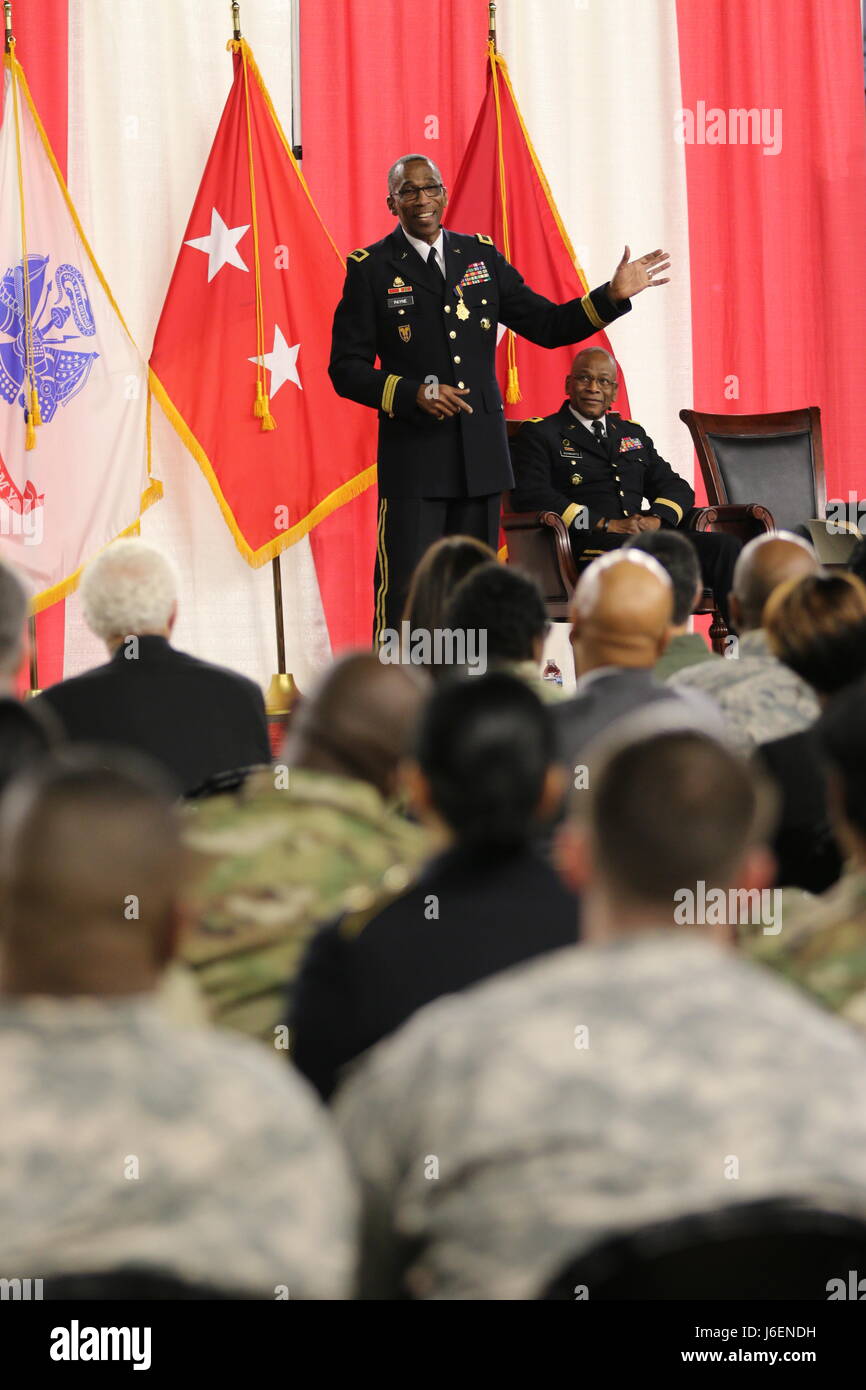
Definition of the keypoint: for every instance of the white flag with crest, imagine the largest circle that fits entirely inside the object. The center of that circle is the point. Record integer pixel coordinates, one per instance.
(74, 401)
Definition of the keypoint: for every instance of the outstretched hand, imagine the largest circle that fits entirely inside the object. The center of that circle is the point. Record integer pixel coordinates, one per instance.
(630, 277)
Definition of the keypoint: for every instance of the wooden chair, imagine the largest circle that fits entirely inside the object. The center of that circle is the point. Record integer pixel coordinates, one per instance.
(761, 472)
(539, 543)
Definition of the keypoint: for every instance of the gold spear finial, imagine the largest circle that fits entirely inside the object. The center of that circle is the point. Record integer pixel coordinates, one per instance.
(491, 23)
(236, 20)
(10, 37)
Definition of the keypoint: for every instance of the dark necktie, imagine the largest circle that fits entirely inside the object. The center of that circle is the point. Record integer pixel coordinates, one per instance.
(436, 268)
(598, 431)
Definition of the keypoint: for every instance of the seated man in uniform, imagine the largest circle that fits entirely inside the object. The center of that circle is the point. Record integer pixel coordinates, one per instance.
(596, 469)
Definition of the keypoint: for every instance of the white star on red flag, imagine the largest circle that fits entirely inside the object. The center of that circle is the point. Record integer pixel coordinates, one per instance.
(281, 362)
(212, 389)
(221, 246)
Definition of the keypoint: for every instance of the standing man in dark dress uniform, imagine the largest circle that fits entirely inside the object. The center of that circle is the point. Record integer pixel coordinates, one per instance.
(427, 303)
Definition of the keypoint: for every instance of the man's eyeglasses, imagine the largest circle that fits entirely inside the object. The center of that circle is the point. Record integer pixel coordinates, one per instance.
(585, 379)
(410, 192)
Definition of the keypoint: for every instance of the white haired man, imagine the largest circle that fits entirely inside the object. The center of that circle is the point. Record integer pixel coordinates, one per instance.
(195, 719)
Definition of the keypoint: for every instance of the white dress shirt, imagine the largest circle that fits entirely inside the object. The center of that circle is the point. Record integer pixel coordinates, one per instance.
(589, 423)
(423, 248)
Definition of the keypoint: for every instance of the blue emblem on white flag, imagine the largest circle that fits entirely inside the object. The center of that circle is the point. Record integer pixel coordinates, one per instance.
(55, 305)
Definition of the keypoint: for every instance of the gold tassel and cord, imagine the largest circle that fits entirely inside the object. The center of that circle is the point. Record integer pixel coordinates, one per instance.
(34, 414)
(261, 404)
(512, 388)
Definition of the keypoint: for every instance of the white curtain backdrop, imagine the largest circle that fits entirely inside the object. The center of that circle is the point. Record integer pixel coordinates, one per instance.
(603, 134)
(142, 116)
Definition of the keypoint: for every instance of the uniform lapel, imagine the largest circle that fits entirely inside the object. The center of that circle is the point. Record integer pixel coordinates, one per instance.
(582, 437)
(614, 434)
(410, 265)
(455, 266)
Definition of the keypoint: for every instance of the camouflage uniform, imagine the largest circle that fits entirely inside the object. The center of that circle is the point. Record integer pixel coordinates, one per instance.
(495, 1141)
(277, 864)
(684, 650)
(759, 696)
(127, 1141)
(822, 946)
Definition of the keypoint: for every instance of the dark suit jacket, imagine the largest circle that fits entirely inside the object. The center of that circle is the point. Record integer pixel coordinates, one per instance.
(467, 917)
(193, 718)
(560, 466)
(606, 698)
(400, 309)
(805, 848)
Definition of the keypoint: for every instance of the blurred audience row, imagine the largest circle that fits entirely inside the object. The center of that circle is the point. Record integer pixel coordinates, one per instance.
(564, 966)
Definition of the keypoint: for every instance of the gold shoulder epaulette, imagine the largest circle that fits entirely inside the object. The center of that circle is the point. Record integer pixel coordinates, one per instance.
(487, 240)
(359, 255)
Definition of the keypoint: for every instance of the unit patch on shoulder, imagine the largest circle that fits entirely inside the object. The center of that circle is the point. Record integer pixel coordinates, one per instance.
(360, 255)
(487, 240)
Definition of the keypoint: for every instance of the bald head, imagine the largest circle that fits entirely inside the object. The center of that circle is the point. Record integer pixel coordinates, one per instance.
(91, 869)
(359, 722)
(764, 564)
(621, 612)
(593, 356)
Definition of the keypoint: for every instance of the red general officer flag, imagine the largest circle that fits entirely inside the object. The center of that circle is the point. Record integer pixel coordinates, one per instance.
(241, 351)
(501, 189)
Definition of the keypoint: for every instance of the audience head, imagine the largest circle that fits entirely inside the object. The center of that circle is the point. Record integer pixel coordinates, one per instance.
(635, 862)
(817, 626)
(507, 606)
(484, 763)
(621, 612)
(680, 562)
(130, 589)
(762, 565)
(13, 619)
(841, 733)
(27, 732)
(359, 722)
(592, 382)
(437, 574)
(91, 871)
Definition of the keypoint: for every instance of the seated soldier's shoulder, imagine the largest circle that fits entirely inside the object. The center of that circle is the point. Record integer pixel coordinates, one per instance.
(537, 427)
(632, 426)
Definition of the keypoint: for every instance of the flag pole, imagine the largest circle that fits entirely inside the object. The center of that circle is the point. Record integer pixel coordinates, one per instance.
(282, 691)
(31, 621)
(491, 23)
